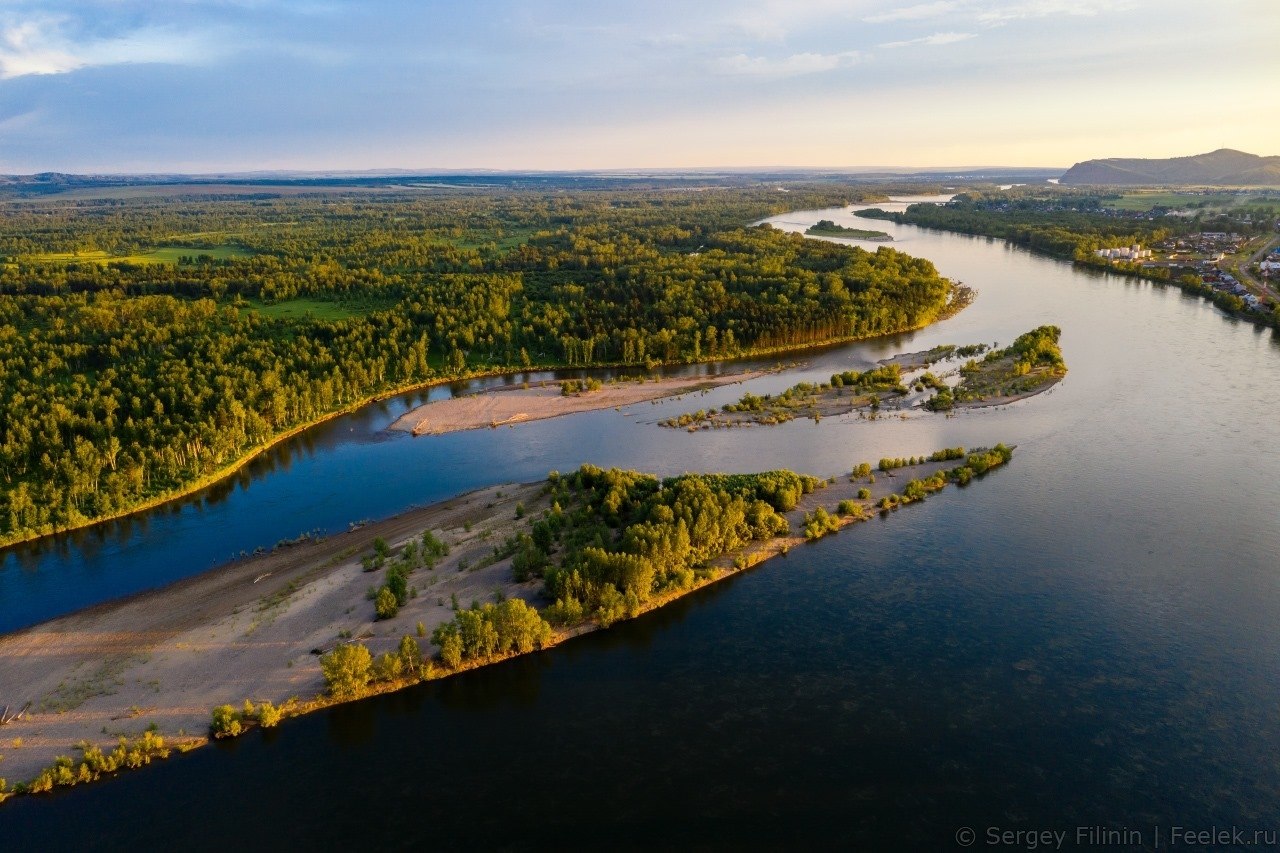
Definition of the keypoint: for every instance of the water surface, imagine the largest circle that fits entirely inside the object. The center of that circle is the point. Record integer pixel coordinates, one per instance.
(1084, 637)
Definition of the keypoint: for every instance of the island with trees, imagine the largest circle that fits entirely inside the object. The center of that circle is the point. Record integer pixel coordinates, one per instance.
(1029, 366)
(827, 228)
(1033, 363)
(150, 346)
(499, 572)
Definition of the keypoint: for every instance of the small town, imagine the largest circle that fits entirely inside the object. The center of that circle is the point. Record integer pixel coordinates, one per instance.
(1219, 259)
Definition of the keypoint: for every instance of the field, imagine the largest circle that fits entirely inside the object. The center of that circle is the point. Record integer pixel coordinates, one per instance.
(1177, 200)
(317, 309)
(163, 255)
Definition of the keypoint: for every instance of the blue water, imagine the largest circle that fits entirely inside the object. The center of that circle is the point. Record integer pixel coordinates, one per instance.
(1084, 637)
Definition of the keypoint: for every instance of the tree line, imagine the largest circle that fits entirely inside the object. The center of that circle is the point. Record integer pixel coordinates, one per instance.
(121, 383)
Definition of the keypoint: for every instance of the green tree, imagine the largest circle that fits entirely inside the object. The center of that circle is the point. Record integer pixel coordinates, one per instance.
(347, 670)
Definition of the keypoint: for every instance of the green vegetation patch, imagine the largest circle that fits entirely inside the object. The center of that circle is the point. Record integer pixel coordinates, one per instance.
(827, 228)
(312, 309)
(160, 255)
(1030, 364)
(1176, 200)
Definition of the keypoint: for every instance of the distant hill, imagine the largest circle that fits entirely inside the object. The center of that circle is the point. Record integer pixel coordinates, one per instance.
(1222, 168)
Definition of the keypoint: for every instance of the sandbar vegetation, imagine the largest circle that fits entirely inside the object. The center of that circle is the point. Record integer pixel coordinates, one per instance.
(827, 228)
(499, 572)
(1032, 364)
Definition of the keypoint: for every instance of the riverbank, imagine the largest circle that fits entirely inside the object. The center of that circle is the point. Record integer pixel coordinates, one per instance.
(901, 383)
(960, 298)
(508, 406)
(158, 662)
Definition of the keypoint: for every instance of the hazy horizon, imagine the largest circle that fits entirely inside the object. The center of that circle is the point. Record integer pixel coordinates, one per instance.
(215, 87)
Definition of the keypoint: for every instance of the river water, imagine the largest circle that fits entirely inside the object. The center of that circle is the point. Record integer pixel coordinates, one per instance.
(1085, 638)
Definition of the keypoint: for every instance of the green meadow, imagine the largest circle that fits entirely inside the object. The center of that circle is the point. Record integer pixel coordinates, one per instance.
(161, 255)
(304, 308)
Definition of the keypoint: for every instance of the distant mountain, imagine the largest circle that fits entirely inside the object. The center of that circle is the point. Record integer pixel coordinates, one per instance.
(1222, 168)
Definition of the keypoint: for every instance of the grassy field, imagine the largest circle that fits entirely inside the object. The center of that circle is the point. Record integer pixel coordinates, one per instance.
(163, 255)
(1178, 201)
(316, 309)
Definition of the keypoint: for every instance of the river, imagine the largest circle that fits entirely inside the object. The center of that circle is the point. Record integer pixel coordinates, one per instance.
(1085, 638)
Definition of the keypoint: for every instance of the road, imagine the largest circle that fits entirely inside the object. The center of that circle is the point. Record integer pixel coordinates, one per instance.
(1241, 269)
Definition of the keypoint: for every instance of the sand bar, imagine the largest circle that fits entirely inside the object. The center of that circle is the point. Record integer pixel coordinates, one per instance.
(516, 404)
(252, 629)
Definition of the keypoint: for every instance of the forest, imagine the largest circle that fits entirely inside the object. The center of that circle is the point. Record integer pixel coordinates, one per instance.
(124, 382)
(1070, 229)
(620, 537)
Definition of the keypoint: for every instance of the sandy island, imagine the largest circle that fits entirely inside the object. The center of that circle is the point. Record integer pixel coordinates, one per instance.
(991, 382)
(516, 404)
(253, 629)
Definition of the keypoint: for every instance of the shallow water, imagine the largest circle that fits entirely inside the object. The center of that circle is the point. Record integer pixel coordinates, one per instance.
(1084, 637)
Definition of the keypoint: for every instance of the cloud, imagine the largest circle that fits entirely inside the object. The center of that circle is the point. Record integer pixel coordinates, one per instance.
(42, 45)
(930, 41)
(918, 12)
(1046, 9)
(796, 65)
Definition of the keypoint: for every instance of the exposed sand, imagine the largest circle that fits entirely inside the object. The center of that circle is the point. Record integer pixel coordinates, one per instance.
(243, 631)
(248, 630)
(503, 406)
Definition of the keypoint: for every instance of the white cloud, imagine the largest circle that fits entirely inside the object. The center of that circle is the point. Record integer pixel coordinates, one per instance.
(775, 19)
(791, 66)
(930, 41)
(41, 45)
(918, 12)
(1046, 9)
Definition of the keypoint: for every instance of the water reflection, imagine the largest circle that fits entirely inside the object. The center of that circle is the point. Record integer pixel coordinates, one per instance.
(1085, 637)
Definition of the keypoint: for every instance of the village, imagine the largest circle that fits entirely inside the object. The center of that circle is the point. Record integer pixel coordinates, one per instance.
(1220, 260)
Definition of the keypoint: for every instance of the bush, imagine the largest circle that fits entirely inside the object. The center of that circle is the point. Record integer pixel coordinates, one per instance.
(864, 494)
(850, 507)
(346, 670)
(819, 523)
(269, 715)
(387, 667)
(226, 722)
(385, 604)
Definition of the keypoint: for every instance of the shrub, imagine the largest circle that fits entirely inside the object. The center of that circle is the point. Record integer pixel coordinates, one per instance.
(850, 507)
(864, 494)
(385, 604)
(346, 670)
(226, 722)
(269, 715)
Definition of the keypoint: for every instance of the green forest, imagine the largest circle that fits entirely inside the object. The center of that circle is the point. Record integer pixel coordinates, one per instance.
(125, 382)
(621, 537)
(1066, 231)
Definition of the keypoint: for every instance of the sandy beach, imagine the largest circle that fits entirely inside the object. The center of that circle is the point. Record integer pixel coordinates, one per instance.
(504, 406)
(252, 629)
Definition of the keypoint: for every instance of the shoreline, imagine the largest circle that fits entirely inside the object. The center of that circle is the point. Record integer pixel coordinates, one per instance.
(508, 406)
(160, 661)
(960, 299)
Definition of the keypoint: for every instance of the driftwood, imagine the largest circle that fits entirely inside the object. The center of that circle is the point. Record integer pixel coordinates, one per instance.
(6, 718)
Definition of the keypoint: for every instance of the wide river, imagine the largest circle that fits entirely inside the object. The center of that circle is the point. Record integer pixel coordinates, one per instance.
(1086, 638)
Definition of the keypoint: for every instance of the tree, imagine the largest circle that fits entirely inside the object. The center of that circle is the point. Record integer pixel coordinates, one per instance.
(347, 670)
(410, 654)
(385, 604)
(226, 722)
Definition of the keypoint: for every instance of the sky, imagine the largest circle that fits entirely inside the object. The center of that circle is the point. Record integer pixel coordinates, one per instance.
(241, 85)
